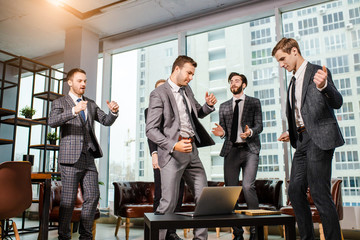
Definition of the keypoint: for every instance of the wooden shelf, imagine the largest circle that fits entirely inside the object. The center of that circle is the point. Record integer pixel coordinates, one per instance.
(42, 147)
(5, 141)
(52, 95)
(6, 112)
(25, 122)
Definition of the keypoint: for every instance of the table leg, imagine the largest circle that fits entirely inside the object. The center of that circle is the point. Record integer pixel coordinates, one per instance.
(260, 232)
(146, 231)
(44, 221)
(290, 231)
(154, 232)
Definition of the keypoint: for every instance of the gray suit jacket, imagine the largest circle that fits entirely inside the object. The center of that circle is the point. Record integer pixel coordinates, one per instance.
(317, 110)
(73, 128)
(163, 108)
(251, 116)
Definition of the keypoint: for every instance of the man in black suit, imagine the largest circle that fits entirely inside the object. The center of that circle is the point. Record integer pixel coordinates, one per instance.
(240, 125)
(171, 233)
(314, 133)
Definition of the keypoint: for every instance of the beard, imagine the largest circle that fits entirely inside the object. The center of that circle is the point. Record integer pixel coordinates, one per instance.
(237, 90)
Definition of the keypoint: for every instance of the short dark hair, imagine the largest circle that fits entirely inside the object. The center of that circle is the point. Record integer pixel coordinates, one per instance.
(159, 81)
(181, 60)
(286, 44)
(71, 73)
(243, 78)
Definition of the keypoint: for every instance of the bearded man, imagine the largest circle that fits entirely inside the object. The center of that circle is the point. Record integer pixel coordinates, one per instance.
(240, 125)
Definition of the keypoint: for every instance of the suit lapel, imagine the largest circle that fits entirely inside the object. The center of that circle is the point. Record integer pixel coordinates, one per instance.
(229, 112)
(245, 109)
(170, 95)
(90, 111)
(306, 82)
(192, 102)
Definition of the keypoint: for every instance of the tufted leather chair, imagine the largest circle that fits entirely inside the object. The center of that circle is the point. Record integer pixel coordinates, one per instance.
(54, 209)
(336, 196)
(269, 193)
(131, 200)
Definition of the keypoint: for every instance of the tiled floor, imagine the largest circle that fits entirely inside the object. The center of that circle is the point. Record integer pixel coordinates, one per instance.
(106, 231)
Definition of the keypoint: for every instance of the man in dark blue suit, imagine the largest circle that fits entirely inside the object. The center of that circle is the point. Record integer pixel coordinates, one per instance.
(314, 133)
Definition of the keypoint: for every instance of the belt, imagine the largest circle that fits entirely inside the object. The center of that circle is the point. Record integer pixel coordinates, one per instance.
(192, 139)
(301, 129)
(240, 144)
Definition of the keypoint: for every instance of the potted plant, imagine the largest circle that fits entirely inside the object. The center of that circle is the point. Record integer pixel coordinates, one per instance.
(27, 112)
(52, 137)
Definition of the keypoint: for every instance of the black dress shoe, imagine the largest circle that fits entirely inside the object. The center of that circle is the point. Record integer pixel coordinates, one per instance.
(238, 237)
(173, 236)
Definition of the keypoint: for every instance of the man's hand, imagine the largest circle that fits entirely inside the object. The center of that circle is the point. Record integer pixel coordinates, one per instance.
(246, 133)
(320, 77)
(210, 99)
(113, 106)
(155, 163)
(183, 146)
(81, 106)
(284, 137)
(218, 130)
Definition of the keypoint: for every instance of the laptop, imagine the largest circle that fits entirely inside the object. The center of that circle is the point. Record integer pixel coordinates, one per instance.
(215, 201)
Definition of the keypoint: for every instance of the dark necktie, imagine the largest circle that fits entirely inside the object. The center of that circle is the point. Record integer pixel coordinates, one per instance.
(293, 79)
(82, 113)
(181, 90)
(235, 122)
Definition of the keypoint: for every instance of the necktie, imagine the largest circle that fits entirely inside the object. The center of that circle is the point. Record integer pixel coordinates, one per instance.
(82, 113)
(181, 90)
(235, 122)
(293, 79)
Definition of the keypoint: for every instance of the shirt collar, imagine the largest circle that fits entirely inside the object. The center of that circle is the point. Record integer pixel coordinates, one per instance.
(242, 98)
(301, 69)
(173, 86)
(74, 97)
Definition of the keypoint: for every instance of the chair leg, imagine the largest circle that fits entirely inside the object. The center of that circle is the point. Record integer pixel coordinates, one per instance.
(16, 233)
(185, 232)
(266, 232)
(281, 231)
(71, 229)
(127, 228)
(117, 225)
(217, 232)
(284, 232)
(321, 230)
(94, 229)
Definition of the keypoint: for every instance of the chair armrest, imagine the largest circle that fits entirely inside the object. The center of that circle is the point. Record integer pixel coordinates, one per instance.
(122, 195)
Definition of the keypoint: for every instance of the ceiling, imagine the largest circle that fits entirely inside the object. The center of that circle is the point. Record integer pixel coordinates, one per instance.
(36, 28)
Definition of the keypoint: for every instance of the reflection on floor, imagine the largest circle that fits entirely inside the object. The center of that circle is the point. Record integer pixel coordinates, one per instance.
(106, 231)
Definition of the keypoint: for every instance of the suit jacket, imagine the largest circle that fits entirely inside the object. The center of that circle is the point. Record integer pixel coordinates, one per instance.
(317, 110)
(251, 116)
(73, 129)
(152, 145)
(162, 107)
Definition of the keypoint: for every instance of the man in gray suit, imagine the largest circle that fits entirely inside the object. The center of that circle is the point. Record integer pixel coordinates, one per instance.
(314, 132)
(174, 106)
(240, 125)
(75, 115)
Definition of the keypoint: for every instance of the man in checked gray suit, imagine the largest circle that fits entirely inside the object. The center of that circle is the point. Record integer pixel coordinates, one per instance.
(75, 115)
(314, 133)
(240, 125)
(174, 106)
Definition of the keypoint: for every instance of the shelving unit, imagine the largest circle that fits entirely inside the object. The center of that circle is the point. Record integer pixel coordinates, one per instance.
(46, 86)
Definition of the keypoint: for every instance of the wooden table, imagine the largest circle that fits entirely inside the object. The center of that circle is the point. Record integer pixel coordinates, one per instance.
(155, 222)
(44, 220)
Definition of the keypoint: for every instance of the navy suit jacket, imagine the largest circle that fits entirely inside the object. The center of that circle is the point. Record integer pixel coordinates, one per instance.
(317, 110)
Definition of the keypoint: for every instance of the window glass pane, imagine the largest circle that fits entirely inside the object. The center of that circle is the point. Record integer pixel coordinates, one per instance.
(134, 74)
(253, 59)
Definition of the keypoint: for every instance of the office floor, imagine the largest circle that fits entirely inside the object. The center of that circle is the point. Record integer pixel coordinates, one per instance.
(106, 231)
